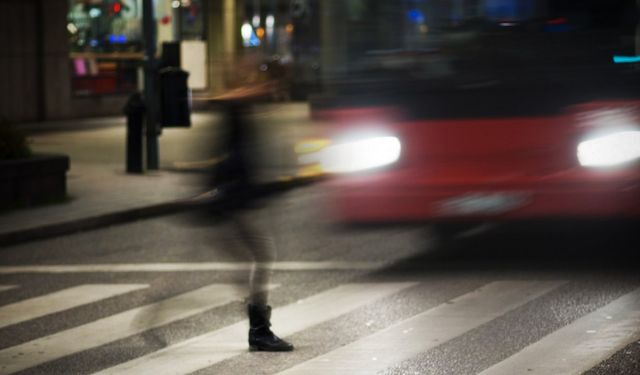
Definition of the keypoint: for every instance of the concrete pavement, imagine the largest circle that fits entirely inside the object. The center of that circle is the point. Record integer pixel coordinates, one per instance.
(101, 193)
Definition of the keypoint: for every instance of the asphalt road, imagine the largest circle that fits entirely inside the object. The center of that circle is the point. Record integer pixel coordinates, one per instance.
(166, 296)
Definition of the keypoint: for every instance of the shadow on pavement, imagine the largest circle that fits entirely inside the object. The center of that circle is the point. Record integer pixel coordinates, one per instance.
(604, 246)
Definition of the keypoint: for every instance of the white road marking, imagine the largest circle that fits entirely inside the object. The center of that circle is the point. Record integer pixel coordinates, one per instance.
(425, 331)
(190, 267)
(7, 287)
(115, 327)
(61, 300)
(208, 349)
(580, 345)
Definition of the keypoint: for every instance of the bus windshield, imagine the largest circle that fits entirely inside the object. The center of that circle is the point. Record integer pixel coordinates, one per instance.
(556, 52)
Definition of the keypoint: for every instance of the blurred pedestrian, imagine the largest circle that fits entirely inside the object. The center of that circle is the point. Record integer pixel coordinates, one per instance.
(238, 196)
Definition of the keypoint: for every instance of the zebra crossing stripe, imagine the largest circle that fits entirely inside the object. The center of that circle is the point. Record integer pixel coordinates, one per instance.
(62, 300)
(208, 349)
(581, 345)
(7, 287)
(427, 330)
(191, 267)
(115, 327)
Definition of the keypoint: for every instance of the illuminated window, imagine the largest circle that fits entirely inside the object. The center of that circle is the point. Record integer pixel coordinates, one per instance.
(105, 38)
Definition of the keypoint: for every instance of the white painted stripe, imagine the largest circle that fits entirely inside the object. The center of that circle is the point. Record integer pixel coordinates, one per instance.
(581, 345)
(117, 327)
(7, 287)
(425, 331)
(190, 267)
(206, 350)
(62, 300)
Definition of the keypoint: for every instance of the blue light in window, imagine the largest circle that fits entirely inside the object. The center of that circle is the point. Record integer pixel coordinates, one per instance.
(93, 43)
(254, 41)
(501, 9)
(626, 59)
(117, 39)
(416, 16)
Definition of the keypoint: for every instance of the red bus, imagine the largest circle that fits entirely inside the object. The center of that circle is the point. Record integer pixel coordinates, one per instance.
(502, 110)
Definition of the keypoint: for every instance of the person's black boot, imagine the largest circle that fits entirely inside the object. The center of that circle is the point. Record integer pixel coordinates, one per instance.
(260, 336)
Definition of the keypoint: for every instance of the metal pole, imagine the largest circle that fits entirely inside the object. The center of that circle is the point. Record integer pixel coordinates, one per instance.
(150, 89)
(135, 124)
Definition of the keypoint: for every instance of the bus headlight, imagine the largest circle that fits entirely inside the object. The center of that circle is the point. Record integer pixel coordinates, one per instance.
(610, 150)
(357, 155)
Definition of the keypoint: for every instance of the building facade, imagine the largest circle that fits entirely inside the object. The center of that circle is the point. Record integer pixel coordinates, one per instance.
(82, 58)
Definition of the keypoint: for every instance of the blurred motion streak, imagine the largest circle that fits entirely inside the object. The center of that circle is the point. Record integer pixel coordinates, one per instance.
(502, 110)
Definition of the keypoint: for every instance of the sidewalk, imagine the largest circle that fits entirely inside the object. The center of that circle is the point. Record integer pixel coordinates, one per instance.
(101, 193)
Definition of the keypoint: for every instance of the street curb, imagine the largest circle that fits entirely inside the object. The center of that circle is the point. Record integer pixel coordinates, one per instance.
(126, 216)
(89, 223)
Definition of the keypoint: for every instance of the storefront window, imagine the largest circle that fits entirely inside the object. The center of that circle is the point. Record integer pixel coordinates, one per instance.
(105, 39)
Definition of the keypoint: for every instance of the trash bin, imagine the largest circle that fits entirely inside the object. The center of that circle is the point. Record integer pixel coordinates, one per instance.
(175, 98)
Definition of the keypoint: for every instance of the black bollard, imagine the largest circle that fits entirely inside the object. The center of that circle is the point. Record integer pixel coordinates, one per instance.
(135, 111)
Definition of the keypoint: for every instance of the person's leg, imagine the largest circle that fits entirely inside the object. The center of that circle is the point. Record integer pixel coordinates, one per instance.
(263, 253)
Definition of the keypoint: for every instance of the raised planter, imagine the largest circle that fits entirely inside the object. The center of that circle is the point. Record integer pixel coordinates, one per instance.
(35, 180)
